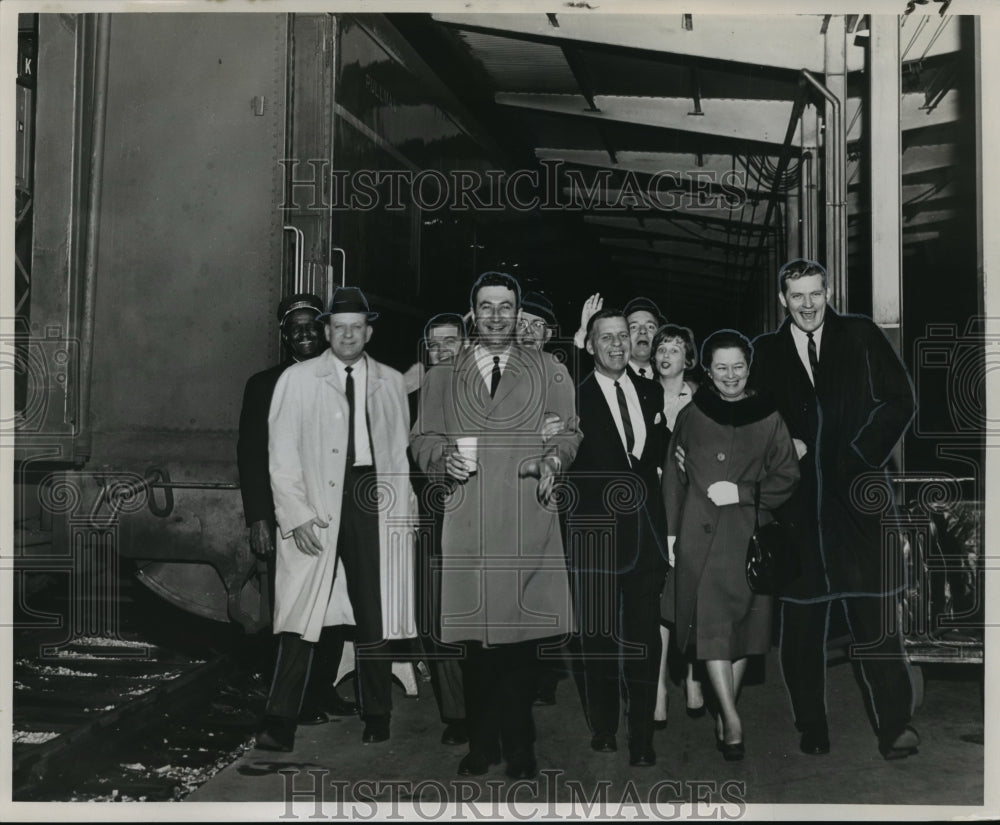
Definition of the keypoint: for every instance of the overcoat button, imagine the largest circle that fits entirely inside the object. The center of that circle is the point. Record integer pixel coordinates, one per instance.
(720, 456)
(332, 484)
(334, 451)
(708, 528)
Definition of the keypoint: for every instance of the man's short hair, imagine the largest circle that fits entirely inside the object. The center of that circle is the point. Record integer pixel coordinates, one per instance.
(799, 268)
(725, 339)
(446, 319)
(670, 331)
(607, 312)
(495, 278)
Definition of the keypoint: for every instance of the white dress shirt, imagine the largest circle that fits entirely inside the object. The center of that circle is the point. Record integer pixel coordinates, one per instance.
(607, 386)
(359, 372)
(484, 360)
(802, 347)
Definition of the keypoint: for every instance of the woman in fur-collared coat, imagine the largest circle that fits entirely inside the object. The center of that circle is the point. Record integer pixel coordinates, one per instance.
(731, 441)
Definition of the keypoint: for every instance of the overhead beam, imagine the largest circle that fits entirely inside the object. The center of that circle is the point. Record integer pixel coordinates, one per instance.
(788, 42)
(681, 164)
(679, 249)
(918, 159)
(708, 260)
(659, 226)
(738, 215)
(753, 120)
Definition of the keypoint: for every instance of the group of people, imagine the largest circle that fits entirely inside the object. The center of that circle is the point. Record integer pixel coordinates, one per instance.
(548, 511)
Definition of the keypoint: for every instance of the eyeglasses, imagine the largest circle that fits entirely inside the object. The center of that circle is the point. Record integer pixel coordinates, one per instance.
(537, 326)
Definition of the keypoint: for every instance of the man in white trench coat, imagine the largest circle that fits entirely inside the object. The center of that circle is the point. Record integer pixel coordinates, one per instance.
(343, 504)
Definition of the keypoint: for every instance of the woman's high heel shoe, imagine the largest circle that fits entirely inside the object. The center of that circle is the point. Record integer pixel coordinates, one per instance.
(694, 713)
(731, 752)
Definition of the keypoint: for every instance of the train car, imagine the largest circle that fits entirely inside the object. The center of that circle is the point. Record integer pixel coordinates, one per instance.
(182, 179)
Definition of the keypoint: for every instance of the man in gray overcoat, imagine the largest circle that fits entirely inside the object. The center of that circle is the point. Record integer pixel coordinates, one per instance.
(504, 587)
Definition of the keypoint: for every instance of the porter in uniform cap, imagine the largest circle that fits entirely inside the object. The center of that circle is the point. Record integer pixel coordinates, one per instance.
(300, 300)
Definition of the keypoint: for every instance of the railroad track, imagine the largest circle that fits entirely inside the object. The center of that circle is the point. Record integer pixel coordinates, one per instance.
(123, 719)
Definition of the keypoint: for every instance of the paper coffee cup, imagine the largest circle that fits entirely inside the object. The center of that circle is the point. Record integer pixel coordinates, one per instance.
(468, 448)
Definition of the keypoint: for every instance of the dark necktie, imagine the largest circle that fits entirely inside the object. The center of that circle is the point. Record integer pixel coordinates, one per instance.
(813, 357)
(495, 376)
(642, 372)
(626, 420)
(349, 392)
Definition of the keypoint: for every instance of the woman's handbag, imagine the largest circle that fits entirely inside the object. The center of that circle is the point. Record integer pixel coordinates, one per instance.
(771, 560)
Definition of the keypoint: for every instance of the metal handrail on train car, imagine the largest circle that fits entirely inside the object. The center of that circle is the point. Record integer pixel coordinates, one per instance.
(158, 478)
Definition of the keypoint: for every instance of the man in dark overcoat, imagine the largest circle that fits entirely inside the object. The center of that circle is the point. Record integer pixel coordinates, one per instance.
(303, 339)
(616, 530)
(847, 400)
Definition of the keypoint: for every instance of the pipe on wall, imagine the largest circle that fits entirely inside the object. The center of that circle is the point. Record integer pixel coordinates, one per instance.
(95, 175)
(836, 204)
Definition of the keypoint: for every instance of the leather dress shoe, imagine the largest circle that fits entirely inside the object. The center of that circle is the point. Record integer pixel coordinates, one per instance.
(376, 730)
(337, 705)
(312, 716)
(477, 763)
(659, 724)
(731, 751)
(695, 713)
(815, 741)
(898, 744)
(277, 734)
(522, 765)
(641, 756)
(455, 733)
(604, 744)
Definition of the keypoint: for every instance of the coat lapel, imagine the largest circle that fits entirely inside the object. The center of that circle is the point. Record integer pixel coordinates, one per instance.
(327, 370)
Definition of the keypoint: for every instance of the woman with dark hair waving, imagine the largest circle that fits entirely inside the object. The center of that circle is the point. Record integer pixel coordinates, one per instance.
(729, 441)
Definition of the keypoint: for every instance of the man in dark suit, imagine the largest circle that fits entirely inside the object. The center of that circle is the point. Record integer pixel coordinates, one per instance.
(303, 339)
(644, 318)
(614, 529)
(847, 400)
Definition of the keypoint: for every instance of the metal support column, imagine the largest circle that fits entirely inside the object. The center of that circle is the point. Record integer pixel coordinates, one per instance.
(810, 182)
(884, 171)
(835, 154)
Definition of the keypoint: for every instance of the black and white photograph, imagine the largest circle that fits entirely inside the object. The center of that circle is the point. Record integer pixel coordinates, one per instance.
(498, 411)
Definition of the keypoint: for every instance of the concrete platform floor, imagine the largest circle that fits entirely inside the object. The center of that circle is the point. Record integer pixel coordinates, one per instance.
(414, 766)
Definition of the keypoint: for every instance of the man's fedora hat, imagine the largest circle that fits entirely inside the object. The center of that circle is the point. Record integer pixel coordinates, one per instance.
(349, 299)
(300, 300)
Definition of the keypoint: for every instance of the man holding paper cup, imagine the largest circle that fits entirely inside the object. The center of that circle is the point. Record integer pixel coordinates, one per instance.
(504, 586)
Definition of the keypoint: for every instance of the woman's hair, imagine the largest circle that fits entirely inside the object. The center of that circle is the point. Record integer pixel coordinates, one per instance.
(725, 339)
(682, 334)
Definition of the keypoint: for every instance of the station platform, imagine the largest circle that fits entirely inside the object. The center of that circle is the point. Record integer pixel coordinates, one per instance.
(414, 767)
